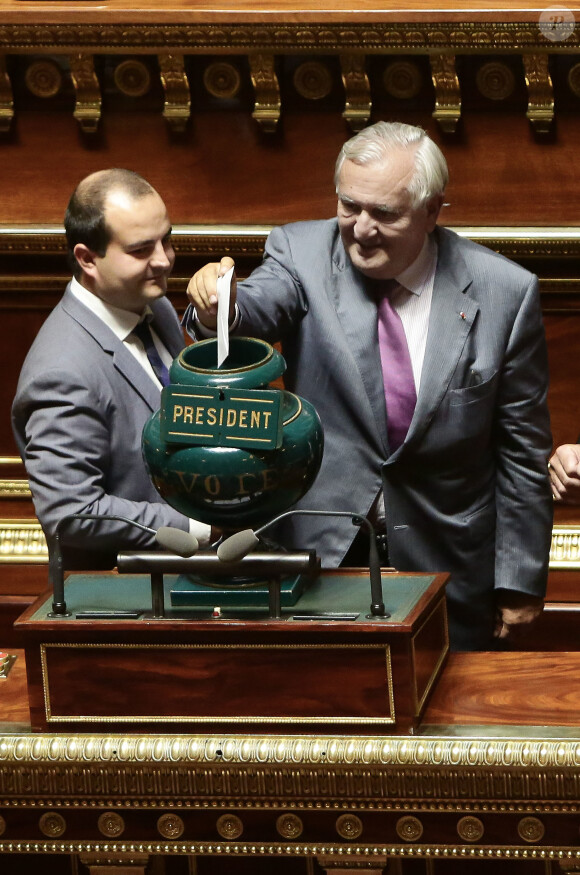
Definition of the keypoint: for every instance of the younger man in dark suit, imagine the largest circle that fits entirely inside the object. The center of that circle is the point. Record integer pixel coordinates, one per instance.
(87, 386)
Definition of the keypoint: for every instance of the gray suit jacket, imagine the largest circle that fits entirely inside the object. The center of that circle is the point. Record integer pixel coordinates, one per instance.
(468, 491)
(80, 406)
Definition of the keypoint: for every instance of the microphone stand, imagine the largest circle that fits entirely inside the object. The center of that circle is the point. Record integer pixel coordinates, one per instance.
(56, 566)
(249, 538)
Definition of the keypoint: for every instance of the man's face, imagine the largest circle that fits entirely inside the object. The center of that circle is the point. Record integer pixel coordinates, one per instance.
(382, 233)
(139, 258)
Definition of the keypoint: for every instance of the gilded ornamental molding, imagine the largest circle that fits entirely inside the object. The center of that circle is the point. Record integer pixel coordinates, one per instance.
(285, 795)
(22, 540)
(248, 240)
(565, 548)
(45, 766)
(464, 37)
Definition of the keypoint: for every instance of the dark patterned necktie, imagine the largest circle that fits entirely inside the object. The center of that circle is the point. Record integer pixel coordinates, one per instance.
(400, 394)
(143, 332)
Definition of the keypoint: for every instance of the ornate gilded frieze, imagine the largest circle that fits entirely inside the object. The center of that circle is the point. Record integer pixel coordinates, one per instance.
(248, 240)
(470, 798)
(228, 38)
(510, 773)
(265, 46)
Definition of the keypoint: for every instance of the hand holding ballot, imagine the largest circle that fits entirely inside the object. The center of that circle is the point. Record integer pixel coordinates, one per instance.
(202, 291)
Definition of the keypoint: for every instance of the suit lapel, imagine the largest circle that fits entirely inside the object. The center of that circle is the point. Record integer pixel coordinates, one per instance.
(453, 313)
(357, 313)
(122, 359)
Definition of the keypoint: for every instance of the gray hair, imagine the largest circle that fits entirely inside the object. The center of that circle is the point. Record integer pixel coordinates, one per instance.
(374, 144)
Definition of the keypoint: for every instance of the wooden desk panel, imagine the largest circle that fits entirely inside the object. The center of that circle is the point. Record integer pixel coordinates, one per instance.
(191, 672)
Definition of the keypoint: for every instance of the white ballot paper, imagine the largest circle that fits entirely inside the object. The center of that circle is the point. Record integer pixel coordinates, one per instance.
(223, 316)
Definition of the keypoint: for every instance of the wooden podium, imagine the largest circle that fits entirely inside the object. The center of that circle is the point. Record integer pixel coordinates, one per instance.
(323, 665)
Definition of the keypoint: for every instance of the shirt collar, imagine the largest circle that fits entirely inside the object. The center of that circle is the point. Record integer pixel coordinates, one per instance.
(415, 277)
(121, 322)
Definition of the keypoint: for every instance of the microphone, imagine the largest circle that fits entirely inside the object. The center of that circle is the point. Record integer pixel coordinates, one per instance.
(241, 543)
(172, 539)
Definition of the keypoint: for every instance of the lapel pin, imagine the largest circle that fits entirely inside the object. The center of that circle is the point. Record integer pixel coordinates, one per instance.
(462, 314)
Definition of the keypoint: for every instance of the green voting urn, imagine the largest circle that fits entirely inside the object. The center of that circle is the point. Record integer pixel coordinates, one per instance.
(225, 447)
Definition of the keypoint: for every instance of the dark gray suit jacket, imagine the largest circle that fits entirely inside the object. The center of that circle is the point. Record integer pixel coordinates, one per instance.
(80, 407)
(468, 491)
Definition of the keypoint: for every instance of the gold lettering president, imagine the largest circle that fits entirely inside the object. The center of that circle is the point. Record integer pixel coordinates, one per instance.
(221, 417)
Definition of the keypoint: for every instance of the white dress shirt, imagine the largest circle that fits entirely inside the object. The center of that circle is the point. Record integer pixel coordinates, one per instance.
(122, 323)
(413, 304)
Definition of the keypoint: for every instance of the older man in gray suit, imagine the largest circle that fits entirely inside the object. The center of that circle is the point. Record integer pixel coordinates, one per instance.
(441, 439)
(87, 386)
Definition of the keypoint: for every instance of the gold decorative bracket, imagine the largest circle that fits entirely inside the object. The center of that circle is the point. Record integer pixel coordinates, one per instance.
(268, 105)
(447, 110)
(540, 92)
(88, 92)
(358, 105)
(177, 108)
(6, 101)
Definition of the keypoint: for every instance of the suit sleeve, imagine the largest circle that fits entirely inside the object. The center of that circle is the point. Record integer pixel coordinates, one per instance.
(272, 300)
(62, 426)
(523, 442)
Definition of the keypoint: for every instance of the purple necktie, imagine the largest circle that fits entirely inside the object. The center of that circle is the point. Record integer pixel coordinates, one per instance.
(400, 395)
(143, 332)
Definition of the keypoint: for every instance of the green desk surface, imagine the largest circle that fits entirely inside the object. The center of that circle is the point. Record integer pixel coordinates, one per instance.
(329, 592)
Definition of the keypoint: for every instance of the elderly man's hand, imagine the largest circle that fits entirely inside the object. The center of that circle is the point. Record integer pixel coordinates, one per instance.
(516, 613)
(202, 291)
(565, 474)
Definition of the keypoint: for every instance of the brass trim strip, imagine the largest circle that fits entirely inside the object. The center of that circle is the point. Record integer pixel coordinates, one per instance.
(346, 850)
(15, 489)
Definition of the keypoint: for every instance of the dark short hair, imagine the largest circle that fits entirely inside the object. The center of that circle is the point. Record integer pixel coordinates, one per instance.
(84, 220)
